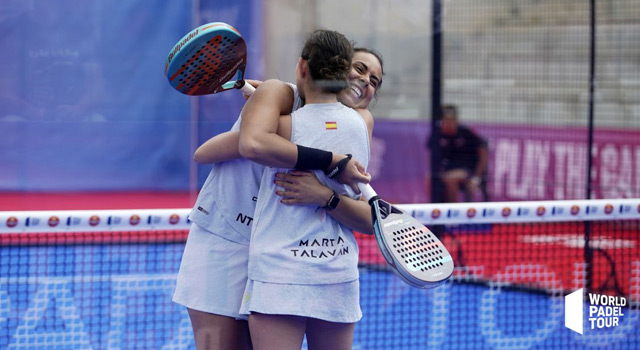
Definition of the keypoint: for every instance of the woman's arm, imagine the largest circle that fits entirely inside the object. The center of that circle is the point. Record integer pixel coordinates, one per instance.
(219, 148)
(225, 146)
(303, 188)
(265, 135)
(262, 142)
(259, 140)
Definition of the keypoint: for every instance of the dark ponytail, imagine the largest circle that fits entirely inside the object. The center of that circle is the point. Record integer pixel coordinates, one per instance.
(328, 54)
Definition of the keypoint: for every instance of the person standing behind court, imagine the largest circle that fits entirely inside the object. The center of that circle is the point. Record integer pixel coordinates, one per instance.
(463, 157)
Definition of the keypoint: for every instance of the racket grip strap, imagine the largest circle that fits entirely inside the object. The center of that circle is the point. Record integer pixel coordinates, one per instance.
(340, 166)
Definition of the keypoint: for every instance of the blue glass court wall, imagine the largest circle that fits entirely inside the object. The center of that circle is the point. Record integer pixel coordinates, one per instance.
(83, 94)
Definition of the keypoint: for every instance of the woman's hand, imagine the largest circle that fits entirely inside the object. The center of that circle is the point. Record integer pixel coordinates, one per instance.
(353, 174)
(254, 83)
(299, 187)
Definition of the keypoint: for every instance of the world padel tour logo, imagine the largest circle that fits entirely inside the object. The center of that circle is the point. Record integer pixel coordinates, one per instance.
(506, 212)
(604, 311)
(541, 210)
(436, 213)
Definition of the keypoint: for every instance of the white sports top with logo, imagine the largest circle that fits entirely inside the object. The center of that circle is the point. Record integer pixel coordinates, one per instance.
(303, 244)
(227, 200)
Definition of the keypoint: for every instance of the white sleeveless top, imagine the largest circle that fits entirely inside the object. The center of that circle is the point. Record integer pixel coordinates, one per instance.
(303, 244)
(227, 200)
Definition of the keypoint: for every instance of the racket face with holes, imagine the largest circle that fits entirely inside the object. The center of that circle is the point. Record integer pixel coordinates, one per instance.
(415, 253)
(209, 59)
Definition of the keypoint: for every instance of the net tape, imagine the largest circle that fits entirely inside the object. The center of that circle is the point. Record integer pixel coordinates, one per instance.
(428, 214)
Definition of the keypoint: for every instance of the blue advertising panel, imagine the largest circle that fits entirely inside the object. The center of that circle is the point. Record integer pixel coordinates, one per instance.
(118, 296)
(84, 104)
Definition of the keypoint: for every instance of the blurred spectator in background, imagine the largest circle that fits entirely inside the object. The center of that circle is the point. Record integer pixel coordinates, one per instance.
(463, 158)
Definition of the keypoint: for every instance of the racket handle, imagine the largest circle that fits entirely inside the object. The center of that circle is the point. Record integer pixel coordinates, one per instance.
(248, 89)
(366, 190)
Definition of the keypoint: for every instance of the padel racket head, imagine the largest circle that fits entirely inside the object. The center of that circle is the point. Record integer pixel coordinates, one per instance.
(415, 253)
(209, 59)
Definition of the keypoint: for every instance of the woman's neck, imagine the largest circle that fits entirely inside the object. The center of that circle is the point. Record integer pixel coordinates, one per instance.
(321, 98)
(315, 95)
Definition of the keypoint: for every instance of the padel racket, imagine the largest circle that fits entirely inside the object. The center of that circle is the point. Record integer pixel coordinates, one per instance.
(209, 59)
(416, 255)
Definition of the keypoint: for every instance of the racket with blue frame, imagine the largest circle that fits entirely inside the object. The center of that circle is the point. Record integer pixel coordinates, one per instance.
(210, 59)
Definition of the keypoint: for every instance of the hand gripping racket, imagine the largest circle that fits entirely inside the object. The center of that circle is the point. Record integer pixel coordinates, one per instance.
(209, 59)
(416, 255)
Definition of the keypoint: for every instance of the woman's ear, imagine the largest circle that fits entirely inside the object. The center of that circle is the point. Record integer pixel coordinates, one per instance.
(301, 67)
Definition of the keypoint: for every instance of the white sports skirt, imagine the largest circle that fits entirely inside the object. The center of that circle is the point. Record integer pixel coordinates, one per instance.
(338, 302)
(213, 274)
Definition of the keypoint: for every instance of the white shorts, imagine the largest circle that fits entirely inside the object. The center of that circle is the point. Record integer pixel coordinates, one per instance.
(338, 302)
(213, 274)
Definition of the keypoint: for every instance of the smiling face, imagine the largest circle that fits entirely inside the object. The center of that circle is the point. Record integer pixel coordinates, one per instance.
(364, 79)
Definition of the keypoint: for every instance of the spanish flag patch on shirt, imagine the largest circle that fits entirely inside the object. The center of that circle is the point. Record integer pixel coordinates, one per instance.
(331, 125)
